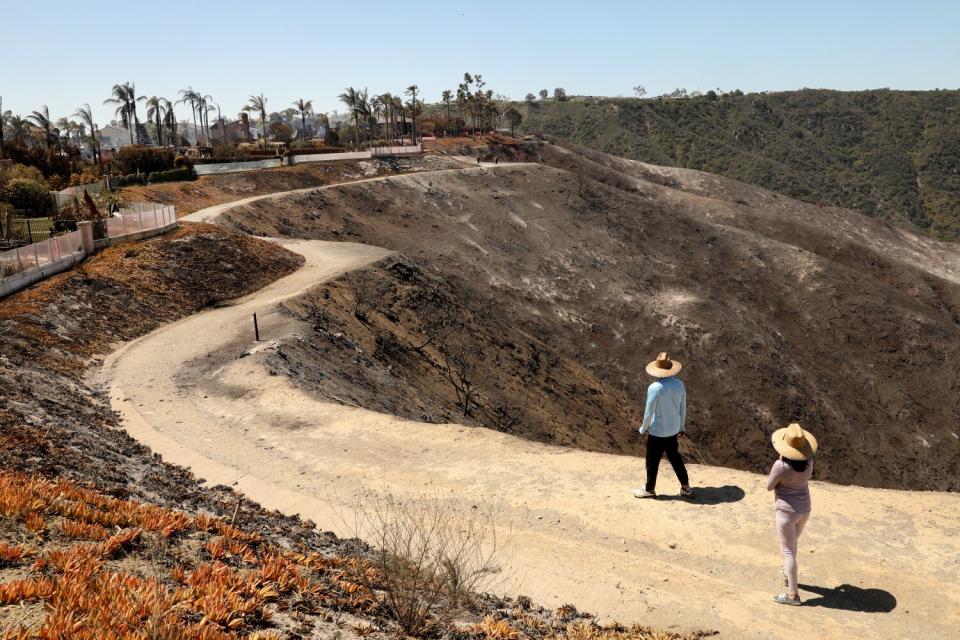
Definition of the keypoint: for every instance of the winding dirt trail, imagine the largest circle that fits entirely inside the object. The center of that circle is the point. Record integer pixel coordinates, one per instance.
(876, 563)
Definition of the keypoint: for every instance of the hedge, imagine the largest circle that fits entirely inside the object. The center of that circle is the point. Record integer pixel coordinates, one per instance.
(173, 175)
(128, 180)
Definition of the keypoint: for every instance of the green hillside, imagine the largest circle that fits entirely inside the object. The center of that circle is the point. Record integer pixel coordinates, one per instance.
(892, 154)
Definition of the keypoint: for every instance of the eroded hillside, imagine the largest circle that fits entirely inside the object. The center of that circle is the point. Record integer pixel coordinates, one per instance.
(781, 311)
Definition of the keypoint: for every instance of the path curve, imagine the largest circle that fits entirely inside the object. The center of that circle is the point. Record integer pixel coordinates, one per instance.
(196, 391)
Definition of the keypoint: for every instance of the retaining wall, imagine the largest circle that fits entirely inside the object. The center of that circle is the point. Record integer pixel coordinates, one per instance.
(234, 167)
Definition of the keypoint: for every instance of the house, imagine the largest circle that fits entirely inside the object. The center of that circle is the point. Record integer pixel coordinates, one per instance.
(232, 132)
(113, 137)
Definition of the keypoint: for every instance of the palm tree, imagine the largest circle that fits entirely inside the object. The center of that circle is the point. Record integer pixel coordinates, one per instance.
(351, 98)
(155, 115)
(86, 117)
(398, 107)
(303, 107)
(42, 119)
(125, 97)
(191, 97)
(206, 107)
(412, 92)
(64, 130)
(170, 121)
(18, 127)
(446, 98)
(386, 100)
(258, 104)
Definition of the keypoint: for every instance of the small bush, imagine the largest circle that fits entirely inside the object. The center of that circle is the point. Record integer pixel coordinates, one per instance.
(432, 557)
(28, 195)
(140, 159)
(21, 171)
(173, 175)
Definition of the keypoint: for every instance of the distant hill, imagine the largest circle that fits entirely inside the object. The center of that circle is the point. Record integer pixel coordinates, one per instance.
(892, 154)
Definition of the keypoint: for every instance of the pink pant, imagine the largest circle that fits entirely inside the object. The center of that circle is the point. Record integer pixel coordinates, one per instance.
(789, 528)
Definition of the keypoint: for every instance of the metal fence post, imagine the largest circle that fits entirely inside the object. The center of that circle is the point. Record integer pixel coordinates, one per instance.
(140, 221)
(156, 224)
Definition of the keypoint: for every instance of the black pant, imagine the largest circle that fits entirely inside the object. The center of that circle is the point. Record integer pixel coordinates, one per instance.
(656, 447)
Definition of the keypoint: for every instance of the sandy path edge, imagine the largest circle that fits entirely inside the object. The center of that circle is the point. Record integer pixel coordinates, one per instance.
(578, 535)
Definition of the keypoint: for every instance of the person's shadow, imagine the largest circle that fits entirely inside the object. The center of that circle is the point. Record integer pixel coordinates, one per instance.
(851, 598)
(710, 495)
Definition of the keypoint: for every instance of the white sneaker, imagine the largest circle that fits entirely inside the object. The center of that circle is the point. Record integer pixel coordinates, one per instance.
(643, 493)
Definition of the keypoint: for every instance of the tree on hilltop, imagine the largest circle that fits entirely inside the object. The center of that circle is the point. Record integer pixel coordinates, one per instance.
(514, 118)
(560, 94)
(543, 94)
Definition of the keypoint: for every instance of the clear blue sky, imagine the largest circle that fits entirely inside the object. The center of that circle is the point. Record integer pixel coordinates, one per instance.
(64, 54)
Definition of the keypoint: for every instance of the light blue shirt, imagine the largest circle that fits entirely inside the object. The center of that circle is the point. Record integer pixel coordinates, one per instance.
(666, 408)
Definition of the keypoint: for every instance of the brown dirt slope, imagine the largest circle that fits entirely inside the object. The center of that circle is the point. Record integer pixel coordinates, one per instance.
(781, 311)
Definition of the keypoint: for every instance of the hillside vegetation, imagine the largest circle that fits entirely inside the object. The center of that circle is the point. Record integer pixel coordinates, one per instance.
(891, 154)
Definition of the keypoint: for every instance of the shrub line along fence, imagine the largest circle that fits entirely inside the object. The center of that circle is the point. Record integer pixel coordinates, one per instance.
(27, 265)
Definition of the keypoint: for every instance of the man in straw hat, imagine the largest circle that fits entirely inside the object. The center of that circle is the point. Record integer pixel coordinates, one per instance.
(663, 424)
(789, 480)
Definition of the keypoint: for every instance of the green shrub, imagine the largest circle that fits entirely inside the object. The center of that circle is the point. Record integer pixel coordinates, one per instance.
(173, 175)
(140, 159)
(28, 195)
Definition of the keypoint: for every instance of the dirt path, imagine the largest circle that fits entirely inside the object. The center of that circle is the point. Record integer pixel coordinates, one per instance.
(877, 564)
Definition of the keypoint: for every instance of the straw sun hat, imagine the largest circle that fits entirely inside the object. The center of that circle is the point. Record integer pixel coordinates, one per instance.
(663, 367)
(794, 442)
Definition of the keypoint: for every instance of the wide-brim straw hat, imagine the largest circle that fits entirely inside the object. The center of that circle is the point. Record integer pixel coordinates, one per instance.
(794, 442)
(664, 367)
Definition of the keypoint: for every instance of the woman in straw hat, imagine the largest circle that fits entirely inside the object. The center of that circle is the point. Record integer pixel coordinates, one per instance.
(789, 480)
(663, 419)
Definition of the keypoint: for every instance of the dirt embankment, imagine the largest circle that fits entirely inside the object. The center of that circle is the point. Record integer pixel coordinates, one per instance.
(781, 311)
(207, 191)
(431, 348)
(51, 421)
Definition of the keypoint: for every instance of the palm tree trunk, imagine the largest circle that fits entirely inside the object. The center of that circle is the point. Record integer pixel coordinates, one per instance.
(196, 135)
